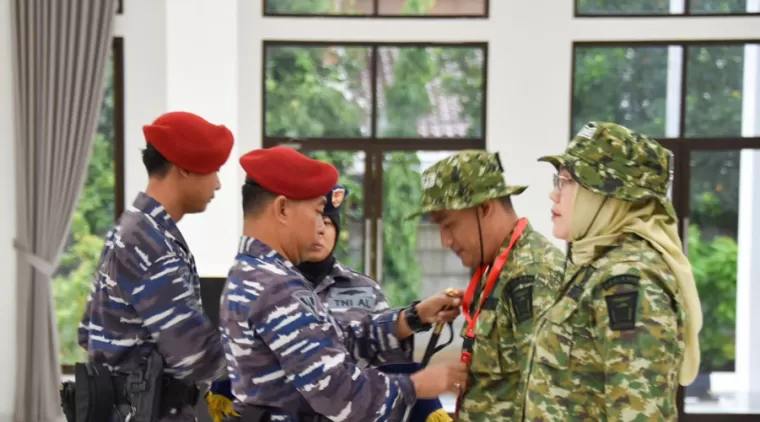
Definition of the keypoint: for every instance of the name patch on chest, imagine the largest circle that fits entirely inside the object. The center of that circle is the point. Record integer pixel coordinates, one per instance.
(352, 297)
(519, 292)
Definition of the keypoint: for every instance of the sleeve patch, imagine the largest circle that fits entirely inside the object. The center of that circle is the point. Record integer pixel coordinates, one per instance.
(632, 280)
(621, 309)
(310, 303)
(519, 292)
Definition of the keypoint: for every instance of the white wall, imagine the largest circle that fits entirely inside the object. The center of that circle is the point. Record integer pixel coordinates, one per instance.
(7, 217)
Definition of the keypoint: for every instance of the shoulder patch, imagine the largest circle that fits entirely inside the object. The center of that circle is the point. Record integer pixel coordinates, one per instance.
(309, 301)
(630, 279)
(519, 293)
(621, 310)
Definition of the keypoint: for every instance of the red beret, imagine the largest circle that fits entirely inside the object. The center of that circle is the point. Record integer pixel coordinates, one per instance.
(190, 142)
(285, 171)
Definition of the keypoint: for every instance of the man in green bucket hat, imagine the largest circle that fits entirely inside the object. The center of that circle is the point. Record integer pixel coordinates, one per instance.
(517, 273)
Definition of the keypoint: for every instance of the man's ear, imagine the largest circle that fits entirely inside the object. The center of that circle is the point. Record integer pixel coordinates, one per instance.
(487, 208)
(281, 208)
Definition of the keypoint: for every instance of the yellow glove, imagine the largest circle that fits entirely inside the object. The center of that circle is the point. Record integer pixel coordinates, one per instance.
(219, 407)
(439, 415)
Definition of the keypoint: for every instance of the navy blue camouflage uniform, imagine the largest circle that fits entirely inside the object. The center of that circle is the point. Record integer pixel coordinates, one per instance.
(284, 349)
(145, 296)
(350, 296)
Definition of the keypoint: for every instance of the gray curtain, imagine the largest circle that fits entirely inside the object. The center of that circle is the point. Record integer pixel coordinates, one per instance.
(60, 55)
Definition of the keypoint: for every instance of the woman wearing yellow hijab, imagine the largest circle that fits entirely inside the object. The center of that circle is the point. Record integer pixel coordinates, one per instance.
(623, 332)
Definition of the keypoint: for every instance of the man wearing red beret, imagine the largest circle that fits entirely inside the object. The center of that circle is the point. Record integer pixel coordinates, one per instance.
(145, 302)
(286, 354)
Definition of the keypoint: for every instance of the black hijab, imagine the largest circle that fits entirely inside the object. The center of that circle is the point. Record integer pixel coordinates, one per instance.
(317, 271)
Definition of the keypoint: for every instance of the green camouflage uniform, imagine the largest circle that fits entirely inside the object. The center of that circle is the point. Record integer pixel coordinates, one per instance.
(526, 287)
(611, 347)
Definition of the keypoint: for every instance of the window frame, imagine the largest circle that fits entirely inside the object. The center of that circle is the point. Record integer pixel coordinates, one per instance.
(681, 147)
(372, 141)
(117, 50)
(374, 148)
(374, 15)
(687, 13)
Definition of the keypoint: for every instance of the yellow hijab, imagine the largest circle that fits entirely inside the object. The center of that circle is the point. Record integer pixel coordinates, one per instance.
(599, 223)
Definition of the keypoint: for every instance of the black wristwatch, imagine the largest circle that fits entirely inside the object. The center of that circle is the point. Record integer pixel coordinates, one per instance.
(413, 318)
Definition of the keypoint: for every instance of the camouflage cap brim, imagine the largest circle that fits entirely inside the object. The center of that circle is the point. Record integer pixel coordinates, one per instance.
(477, 199)
(629, 193)
(556, 160)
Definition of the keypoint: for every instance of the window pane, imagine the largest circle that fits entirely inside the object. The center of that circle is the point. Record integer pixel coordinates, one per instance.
(434, 7)
(625, 85)
(93, 217)
(623, 7)
(317, 91)
(717, 6)
(318, 7)
(714, 86)
(350, 164)
(714, 249)
(430, 92)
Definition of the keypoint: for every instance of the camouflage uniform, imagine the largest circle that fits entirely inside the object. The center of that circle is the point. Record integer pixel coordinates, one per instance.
(610, 348)
(526, 287)
(351, 296)
(146, 295)
(277, 331)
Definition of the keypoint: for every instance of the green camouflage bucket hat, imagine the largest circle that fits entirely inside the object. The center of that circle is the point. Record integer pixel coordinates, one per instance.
(462, 181)
(614, 161)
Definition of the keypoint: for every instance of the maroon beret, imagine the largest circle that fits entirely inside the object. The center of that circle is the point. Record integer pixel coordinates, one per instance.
(285, 171)
(190, 142)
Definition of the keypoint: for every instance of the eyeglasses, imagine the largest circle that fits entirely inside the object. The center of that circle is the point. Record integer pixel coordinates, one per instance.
(561, 181)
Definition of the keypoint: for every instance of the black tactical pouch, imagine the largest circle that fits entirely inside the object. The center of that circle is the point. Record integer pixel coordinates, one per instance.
(144, 390)
(94, 394)
(68, 400)
(256, 414)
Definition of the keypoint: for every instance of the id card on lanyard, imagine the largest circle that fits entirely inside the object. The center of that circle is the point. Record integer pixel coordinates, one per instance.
(493, 276)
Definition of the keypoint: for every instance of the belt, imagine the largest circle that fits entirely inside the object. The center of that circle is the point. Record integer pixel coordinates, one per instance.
(174, 393)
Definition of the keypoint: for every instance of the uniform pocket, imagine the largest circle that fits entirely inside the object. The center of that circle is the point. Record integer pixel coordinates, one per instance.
(494, 350)
(554, 339)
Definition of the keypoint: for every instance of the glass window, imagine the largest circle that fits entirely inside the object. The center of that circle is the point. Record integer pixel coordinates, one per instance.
(432, 8)
(442, 8)
(625, 85)
(317, 91)
(622, 7)
(93, 217)
(661, 7)
(642, 87)
(715, 90)
(318, 7)
(699, 7)
(716, 248)
(430, 92)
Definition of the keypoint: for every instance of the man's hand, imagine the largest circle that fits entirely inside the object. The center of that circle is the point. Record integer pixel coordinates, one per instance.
(435, 380)
(441, 307)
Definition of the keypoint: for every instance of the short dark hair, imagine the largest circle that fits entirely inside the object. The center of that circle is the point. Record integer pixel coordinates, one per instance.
(255, 197)
(155, 163)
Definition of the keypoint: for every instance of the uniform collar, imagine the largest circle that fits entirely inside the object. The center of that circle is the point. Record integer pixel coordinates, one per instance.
(338, 274)
(153, 209)
(521, 241)
(257, 249)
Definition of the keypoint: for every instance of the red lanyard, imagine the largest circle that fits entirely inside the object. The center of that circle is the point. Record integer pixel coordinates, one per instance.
(490, 283)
